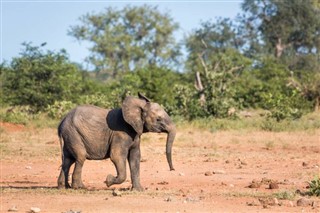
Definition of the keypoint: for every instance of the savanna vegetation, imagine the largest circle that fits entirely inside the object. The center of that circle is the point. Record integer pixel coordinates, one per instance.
(244, 93)
(264, 61)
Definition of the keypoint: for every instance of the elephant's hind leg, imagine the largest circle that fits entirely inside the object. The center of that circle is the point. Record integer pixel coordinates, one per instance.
(76, 176)
(64, 174)
(80, 156)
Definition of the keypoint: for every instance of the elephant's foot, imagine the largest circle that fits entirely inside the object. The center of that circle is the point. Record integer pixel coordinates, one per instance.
(78, 186)
(137, 188)
(63, 185)
(110, 180)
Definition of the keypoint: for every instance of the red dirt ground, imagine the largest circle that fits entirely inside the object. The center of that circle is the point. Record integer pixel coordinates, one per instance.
(213, 172)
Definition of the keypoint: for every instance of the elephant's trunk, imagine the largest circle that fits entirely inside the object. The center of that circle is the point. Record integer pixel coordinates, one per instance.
(170, 139)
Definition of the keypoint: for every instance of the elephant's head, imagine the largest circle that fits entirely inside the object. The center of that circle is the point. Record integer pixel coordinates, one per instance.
(145, 116)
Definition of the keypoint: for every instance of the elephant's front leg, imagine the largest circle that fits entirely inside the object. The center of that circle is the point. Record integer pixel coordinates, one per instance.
(118, 156)
(134, 163)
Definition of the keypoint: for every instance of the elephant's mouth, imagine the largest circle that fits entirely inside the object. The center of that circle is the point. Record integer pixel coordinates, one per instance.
(157, 130)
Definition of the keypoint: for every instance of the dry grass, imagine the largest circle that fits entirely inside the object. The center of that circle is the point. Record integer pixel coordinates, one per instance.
(29, 143)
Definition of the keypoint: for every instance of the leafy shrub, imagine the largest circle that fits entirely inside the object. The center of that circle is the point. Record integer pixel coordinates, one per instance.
(39, 78)
(314, 187)
(187, 103)
(97, 100)
(17, 115)
(282, 106)
(59, 109)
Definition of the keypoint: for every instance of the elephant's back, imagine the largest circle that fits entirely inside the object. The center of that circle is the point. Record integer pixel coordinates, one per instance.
(89, 117)
(87, 120)
(90, 109)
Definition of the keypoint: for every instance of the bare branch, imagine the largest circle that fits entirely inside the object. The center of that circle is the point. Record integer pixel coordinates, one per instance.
(203, 64)
(204, 43)
(233, 69)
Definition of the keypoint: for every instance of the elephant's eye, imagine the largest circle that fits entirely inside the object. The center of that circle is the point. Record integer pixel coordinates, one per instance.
(159, 119)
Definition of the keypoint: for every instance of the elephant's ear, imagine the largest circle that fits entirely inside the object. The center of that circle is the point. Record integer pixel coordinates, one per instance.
(132, 113)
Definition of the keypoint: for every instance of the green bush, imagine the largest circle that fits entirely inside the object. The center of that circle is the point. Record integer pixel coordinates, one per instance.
(59, 109)
(18, 115)
(282, 106)
(187, 104)
(156, 83)
(314, 187)
(97, 100)
(39, 78)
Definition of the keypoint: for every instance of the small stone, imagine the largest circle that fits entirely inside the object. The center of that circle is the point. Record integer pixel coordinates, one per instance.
(244, 163)
(169, 199)
(35, 210)
(290, 204)
(253, 203)
(304, 164)
(315, 204)
(208, 173)
(268, 201)
(13, 209)
(116, 193)
(227, 161)
(219, 172)
(304, 202)
(275, 201)
(28, 167)
(254, 185)
(181, 174)
(192, 199)
(266, 181)
(231, 185)
(273, 185)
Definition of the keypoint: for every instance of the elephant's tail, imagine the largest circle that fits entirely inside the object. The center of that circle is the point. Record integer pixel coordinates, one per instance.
(61, 146)
(61, 143)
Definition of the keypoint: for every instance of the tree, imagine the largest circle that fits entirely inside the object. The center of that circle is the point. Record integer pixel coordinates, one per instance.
(290, 31)
(38, 78)
(283, 26)
(215, 61)
(309, 87)
(127, 39)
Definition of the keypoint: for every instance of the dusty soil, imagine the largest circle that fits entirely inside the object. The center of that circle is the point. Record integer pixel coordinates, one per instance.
(215, 172)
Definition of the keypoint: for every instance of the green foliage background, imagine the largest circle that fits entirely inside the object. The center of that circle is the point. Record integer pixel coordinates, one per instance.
(242, 65)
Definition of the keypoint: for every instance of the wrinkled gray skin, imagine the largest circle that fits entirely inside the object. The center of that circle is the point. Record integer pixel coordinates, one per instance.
(93, 133)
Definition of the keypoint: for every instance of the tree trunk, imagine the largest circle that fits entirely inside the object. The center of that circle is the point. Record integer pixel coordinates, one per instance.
(279, 48)
(199, 87)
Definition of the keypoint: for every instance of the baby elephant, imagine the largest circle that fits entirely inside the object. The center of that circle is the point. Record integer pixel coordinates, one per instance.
(90, 132)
